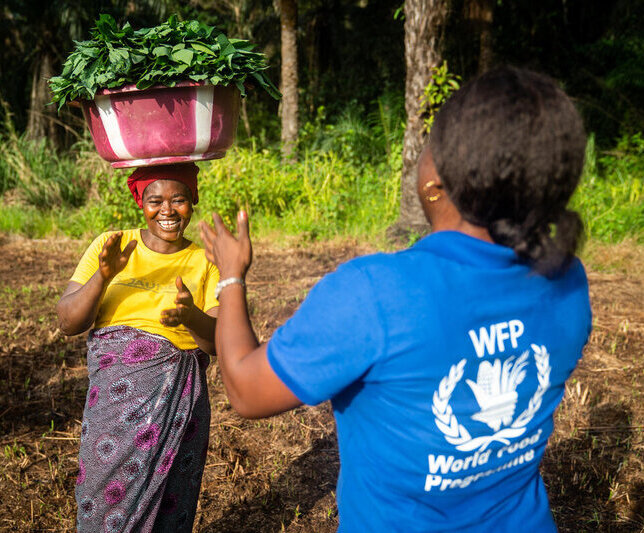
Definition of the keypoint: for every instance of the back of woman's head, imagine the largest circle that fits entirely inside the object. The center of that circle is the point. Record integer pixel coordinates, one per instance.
(509, 149)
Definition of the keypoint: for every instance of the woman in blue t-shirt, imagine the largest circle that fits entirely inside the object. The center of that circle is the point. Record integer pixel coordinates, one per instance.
(444, 362)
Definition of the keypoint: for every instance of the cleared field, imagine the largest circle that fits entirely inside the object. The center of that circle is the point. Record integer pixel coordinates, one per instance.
(279, 474)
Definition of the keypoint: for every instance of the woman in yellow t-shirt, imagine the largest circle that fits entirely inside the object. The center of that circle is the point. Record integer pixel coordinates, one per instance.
(150, 296)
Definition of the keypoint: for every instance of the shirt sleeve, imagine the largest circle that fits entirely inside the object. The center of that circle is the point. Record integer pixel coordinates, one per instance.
(333, 339)
(88, 264)
(583, 280)
(212, 278)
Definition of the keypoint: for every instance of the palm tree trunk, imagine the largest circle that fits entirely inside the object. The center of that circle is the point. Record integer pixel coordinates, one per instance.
(424, 22)
(481, 16)
(41, 118)
(289, 107)
(244, 116)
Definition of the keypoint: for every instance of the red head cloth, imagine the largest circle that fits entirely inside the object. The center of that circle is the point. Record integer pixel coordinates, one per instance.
(186, 173)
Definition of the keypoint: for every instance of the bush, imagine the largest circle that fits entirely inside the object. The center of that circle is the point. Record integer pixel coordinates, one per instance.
(39, 176)
(322, 195)
(349, 185)
(113, 207)
(354, 138)
(610, 197)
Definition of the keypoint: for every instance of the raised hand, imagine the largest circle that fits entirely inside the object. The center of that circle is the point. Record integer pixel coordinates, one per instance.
(112, 260)
(231, 255)
(184, 310)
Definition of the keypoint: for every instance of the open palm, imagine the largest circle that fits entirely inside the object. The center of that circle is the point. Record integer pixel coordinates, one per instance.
(112, 259)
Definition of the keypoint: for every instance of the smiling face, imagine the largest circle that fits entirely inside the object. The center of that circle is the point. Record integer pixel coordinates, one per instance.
(167, 207)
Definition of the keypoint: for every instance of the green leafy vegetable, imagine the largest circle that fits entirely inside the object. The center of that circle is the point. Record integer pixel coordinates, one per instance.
(164, 55)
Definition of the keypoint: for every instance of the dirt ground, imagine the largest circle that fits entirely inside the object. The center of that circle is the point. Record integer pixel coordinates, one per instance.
(279, 474)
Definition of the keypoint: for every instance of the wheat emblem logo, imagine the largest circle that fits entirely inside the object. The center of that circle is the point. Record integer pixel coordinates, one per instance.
(495, 391)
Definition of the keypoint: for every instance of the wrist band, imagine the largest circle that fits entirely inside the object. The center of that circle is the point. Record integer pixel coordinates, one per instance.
(225, 282)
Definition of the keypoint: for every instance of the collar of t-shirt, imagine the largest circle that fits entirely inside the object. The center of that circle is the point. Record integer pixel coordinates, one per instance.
(462, 248)
(142, 249)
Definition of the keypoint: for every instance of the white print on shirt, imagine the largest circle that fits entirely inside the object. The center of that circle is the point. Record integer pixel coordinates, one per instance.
(488, 340)
(440, 465)
(495, 390)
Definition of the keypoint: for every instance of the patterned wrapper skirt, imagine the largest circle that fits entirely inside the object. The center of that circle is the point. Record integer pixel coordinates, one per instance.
(144, 436)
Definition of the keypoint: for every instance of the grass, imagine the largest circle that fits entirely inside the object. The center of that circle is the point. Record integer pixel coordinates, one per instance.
(623, 257)
(610, 197)
(36, 174)
(321, 196)
(347, 184)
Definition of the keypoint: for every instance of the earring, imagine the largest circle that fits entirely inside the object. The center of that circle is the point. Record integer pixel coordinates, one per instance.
(428, 186)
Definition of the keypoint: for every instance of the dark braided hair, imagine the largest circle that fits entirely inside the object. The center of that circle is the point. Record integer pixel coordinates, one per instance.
(509, 149)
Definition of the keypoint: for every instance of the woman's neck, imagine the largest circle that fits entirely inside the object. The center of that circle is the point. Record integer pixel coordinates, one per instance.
(161, 246)
(449, 219)
(477, 232)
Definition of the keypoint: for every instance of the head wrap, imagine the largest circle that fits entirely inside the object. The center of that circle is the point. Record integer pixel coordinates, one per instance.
(186, 173)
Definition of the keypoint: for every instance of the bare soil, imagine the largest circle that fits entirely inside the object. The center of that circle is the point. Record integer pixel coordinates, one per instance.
(279, 474)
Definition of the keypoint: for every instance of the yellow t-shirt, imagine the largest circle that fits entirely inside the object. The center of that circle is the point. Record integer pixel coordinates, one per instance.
(146, 286)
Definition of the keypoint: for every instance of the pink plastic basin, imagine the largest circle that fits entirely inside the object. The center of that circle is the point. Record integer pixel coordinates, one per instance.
(161, 125)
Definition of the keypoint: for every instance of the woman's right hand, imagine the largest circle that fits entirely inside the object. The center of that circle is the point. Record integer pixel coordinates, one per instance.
(232, 256)
(112, 260)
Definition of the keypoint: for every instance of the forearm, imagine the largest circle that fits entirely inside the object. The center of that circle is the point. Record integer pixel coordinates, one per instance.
(252, 386)
(202, 328)
(77, 309)
(234, 340)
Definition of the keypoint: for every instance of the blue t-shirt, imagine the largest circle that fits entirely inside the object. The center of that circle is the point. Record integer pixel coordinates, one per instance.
(444, 364)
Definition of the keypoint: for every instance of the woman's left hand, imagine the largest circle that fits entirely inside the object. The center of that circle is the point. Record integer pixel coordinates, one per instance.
(182, 313)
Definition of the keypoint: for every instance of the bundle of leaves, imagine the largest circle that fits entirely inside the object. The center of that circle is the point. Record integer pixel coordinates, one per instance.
(164, 55)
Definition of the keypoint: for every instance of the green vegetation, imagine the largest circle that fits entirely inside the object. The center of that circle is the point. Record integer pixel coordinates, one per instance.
(165, 54)
(319, 197)
(610, 197)
(35, 174)
(347, 183)
(437, 92)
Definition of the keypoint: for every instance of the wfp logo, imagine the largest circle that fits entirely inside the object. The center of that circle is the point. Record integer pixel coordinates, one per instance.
(495, 390)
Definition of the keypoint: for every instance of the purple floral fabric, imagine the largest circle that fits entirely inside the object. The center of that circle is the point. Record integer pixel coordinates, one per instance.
(144, 436)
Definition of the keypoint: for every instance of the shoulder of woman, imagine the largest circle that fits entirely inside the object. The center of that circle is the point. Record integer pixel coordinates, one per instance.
(126, 232)
(372, 263)
(357, 272)
(198, 254)
(128, 235)
(132, 233)
(99, 241)
(196, 250)
(575, 273)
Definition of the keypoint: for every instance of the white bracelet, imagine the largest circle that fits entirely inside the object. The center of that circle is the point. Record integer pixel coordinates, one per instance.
(225, 282)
